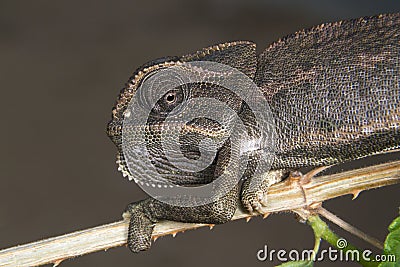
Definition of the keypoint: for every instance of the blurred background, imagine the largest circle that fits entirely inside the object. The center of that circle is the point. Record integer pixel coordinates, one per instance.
(62, 64)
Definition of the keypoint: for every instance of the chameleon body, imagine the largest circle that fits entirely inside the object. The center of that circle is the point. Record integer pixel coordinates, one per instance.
(333, 90)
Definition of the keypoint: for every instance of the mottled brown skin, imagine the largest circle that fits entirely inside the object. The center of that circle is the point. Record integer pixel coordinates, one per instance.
(334, 93)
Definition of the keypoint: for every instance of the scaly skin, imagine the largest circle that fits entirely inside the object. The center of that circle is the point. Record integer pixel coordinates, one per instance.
(334, 93)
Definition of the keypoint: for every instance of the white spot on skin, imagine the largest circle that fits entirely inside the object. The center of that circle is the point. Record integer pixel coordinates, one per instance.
(127, 113)
(249, 146)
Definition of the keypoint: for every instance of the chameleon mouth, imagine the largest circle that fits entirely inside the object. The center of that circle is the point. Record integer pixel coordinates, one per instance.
(115, 129)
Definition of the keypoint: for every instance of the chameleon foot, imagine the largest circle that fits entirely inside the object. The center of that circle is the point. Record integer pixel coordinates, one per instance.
(253, 195)
(140, 227)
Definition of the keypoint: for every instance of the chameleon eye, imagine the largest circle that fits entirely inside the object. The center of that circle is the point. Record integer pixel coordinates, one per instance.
(170, 98)
(170, 101)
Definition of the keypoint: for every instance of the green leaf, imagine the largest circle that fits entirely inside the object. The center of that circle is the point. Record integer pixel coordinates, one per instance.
(392, 243)
(297, 264)
(394, 225)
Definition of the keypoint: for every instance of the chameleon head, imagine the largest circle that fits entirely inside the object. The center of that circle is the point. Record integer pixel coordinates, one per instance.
(179, 123)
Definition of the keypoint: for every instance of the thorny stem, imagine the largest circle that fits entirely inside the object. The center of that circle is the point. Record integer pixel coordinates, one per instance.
(349, 228)
(284, 196)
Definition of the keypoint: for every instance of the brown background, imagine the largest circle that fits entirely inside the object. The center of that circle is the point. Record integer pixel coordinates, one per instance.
(62, 64)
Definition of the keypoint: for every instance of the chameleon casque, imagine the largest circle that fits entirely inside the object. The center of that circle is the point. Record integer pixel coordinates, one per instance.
(334, 94)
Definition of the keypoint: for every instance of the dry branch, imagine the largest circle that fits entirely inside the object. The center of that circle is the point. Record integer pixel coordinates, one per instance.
(292, 194)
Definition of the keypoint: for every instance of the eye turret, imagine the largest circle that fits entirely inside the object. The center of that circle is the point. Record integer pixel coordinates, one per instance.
(170, 100)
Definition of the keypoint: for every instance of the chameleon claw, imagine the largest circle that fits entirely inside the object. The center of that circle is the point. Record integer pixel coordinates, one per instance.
(264, 202)
(174, 234)
(248, 219)
(265, 215)
(211, 226)
(258, 207)
(249, 208)
(126, 215)
(155, 238)
(260, 196)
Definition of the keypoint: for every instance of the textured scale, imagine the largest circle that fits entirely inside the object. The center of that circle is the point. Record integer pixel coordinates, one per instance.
(334, 91)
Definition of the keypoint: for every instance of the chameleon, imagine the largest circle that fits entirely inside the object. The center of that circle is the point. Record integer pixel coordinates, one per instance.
(333, 91)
